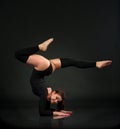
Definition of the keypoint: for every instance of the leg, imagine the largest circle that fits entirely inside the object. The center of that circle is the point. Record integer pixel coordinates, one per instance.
(67, 62)
(39, 62)
(28, 56)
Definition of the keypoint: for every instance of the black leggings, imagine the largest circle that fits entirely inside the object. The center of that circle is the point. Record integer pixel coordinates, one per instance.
(23, 54)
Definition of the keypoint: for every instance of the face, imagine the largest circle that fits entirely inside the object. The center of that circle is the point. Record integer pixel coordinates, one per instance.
(55, 98)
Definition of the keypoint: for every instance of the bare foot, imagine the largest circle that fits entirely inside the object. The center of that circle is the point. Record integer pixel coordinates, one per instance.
(43, 46)
(104, 63)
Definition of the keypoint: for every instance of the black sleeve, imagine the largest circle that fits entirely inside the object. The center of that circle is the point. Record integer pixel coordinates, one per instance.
(44, 109)
(60, 106)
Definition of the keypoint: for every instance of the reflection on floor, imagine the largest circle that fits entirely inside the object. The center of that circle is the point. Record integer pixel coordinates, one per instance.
(86, 115)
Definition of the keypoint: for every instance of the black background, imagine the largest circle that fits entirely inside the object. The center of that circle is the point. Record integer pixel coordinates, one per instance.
(87, 30)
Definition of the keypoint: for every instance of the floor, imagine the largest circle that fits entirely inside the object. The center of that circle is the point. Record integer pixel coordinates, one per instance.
(86, 115)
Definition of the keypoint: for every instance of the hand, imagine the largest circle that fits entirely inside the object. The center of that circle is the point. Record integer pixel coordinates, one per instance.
(104, 63)
(67, 112)
(56, 113)
(59, 117)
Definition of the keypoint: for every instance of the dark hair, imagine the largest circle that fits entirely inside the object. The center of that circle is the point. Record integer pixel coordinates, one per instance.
(60, 105)
(61, 93)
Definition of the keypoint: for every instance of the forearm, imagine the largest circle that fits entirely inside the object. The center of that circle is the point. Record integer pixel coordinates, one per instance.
(46, 113)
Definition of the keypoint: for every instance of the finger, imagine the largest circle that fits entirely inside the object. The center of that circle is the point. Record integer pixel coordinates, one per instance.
(66, 114)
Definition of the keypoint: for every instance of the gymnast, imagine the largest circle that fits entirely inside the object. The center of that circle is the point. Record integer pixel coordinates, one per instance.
(43, 67)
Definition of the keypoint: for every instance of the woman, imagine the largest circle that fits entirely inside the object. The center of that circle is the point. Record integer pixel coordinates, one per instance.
(44, 67)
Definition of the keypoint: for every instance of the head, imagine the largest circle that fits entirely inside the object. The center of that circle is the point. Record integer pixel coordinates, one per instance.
(57, 96)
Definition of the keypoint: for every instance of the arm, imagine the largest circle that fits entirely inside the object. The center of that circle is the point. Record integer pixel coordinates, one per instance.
(44, 112)
(44, 109)
(60, 110)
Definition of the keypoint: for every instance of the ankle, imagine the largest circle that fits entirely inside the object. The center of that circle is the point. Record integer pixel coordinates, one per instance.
(43, 46)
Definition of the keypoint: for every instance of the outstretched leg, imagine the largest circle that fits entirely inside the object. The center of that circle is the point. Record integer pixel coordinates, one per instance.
(67, 62)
